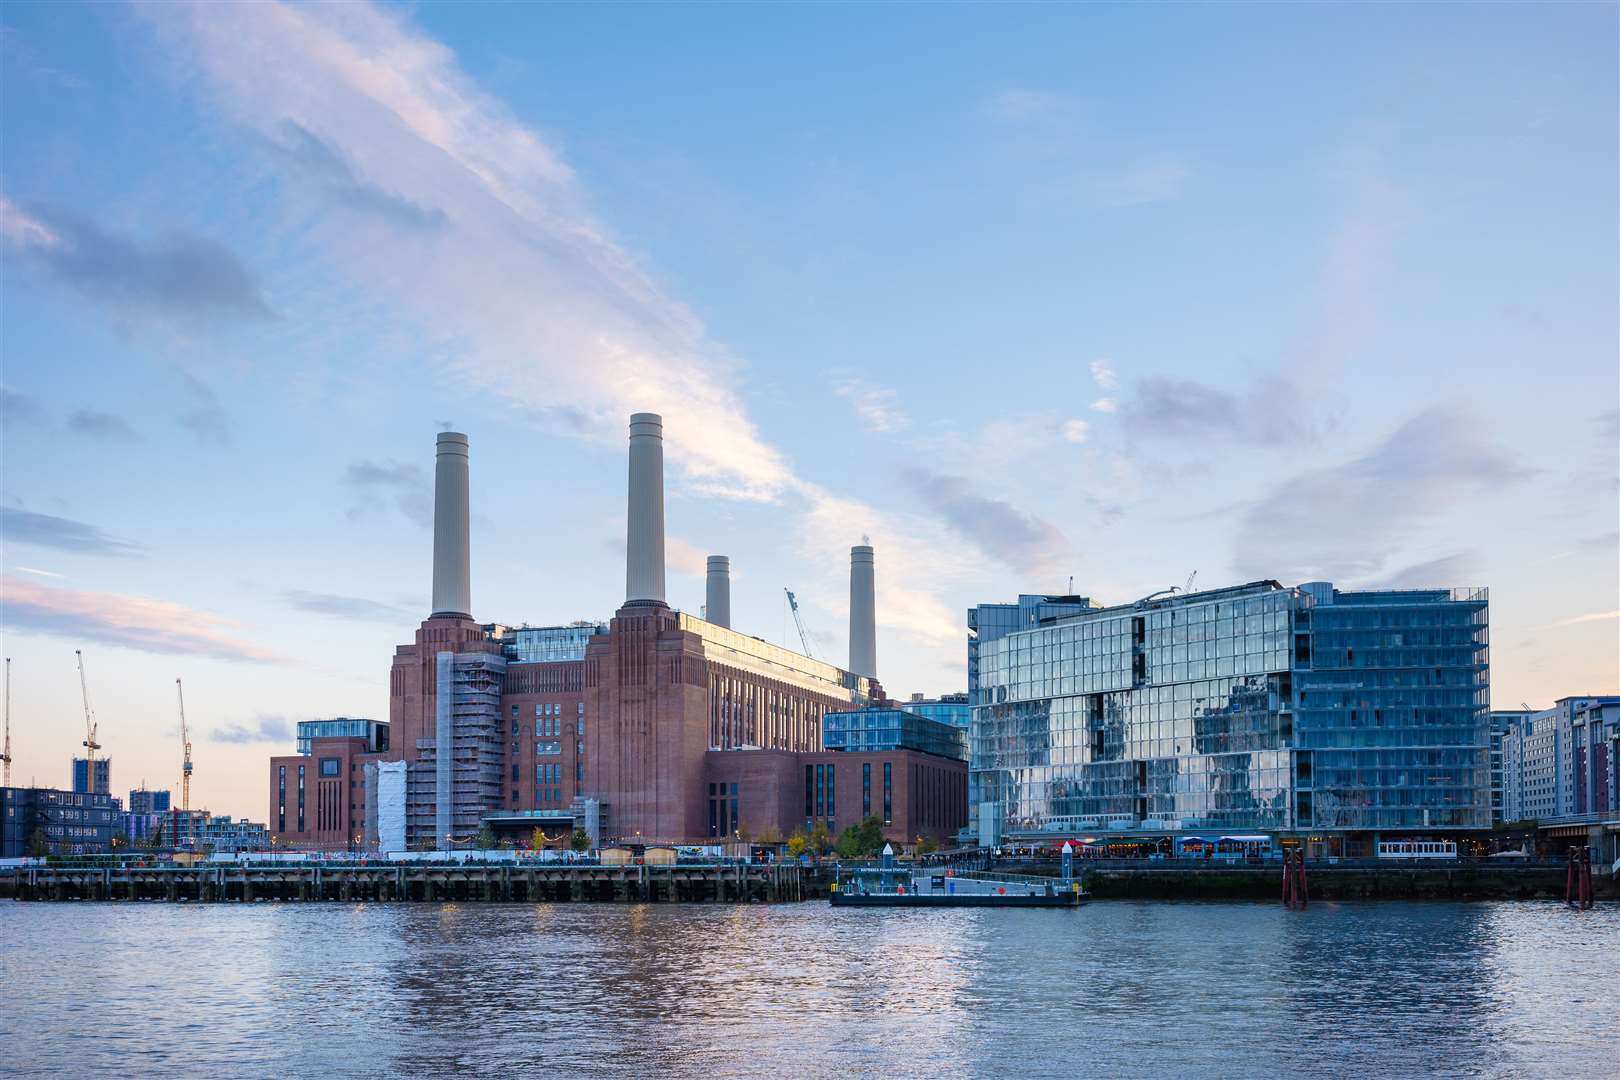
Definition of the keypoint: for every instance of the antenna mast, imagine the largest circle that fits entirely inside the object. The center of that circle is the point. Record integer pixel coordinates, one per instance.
(90, 744)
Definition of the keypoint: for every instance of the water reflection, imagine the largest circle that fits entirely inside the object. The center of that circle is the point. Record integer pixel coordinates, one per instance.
(803, 990)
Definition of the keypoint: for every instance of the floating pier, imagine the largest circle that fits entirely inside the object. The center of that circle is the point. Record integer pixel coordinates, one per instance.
(735, 883)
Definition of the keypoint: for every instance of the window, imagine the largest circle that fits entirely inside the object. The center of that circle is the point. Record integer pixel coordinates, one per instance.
(866, 788)
(331, 766)
(888, 793)
(832, 785)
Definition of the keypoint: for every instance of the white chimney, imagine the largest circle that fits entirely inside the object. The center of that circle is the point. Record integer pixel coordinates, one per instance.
(644, 541)
(452, 588)
(862, 613)
(717, 593)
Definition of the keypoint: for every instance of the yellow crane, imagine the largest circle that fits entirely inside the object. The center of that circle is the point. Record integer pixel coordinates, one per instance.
(185, 767)
(6, 757)
(90, 744)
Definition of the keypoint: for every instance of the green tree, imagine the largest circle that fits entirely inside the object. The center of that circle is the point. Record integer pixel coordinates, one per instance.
(581, 840)
(485, 838)
(871, 835)
(537, 839)
(797, 843)
(849, 843)
(820, 838)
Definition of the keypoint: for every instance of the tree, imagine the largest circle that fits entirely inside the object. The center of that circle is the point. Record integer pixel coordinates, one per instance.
(745, 834)
(581, 840)
(37, 844)
(485, 839)
(926, 845)
(871, 835)
(849, 843)
(797, 843)
(537, 839)
(820, 838)
(770, 835)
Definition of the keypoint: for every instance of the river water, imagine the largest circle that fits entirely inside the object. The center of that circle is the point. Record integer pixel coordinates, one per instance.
(794, 990)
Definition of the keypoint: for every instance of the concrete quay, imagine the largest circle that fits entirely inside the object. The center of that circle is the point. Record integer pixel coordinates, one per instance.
(402, 882)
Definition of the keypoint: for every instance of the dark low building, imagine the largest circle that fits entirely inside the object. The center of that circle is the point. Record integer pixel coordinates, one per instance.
(45, 821)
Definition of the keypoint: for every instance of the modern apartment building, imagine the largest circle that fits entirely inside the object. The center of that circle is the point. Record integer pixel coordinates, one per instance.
(1336, 715)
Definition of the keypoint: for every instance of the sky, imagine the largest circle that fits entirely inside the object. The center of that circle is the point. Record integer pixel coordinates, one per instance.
(1023, 293)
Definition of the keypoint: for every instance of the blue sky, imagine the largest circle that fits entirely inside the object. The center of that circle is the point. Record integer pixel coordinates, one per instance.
(1021, 292)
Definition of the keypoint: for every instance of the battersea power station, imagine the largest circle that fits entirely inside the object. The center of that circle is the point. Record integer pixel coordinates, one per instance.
(657, 726)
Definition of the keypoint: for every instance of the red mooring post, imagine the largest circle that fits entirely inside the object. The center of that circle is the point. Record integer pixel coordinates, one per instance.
(1578, 878)
(1295, 894)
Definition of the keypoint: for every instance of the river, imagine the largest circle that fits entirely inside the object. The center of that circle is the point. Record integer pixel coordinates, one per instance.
(795, 990)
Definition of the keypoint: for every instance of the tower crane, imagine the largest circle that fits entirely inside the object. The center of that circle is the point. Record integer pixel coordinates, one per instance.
(1192, 577)
(6, 757)
(185, 742)
(90, 744)
(805, 637)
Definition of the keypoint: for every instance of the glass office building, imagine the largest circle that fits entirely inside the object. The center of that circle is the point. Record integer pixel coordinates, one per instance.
(1250, 708)
(892, 729)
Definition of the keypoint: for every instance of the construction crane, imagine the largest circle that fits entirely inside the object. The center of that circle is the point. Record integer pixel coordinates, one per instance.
(6, 757)
(90, 744)
(805, 637)
(185, 742)
(1192, 577)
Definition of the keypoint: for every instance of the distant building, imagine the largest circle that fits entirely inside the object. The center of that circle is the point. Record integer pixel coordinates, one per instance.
(81, 781)
(1502, 724)
(222, 833)
(1334, 715)
(46, 821)
(1561, 767)
(142, 801)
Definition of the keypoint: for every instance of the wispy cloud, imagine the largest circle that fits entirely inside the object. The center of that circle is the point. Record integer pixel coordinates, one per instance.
(134, 622)
(261, 729)
(103, 426)
(37, 572)
(1266, 411)
(326, 166)
(345, 607)
(376, 485)
(175, 273)
(1448, 571)
(1576, 620)
(1076, 431)
(874, 405)
(1015, 105)
(16, 407)
(1158, 178)
(1103, 374)
(1104, 405)
(206, 419)
(64, 534)
(523, 291)
(1023, 541)
(1342, 521)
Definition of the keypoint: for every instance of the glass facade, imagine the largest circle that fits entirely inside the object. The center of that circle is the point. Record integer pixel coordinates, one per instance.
(1255, 707)
(375, 732)
(952, 709)
(544, 644)
(892, 729)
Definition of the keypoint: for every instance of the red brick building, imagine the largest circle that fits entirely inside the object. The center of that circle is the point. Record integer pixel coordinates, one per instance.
(318, 800)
